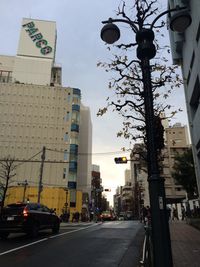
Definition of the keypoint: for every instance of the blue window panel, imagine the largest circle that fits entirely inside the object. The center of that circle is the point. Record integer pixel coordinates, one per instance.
(73, 166)
(76, 107)
(73, 149)
(72, 185)
(74, 127)
(76, 91)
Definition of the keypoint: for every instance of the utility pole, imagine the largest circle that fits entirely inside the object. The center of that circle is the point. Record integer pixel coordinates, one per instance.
(24, 184)
(40, 187)
(66, 203)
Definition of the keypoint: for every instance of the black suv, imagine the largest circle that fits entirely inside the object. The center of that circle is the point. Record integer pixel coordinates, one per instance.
(27, 218)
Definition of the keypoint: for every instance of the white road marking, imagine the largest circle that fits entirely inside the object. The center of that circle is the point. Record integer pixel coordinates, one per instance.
(44, 239)
(76, 230)
(27, 245)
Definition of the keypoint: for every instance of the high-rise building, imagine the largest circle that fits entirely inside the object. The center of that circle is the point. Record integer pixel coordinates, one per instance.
(127, 176)
(96, 192)
(85, 150)
(38, 113)
(185, 49)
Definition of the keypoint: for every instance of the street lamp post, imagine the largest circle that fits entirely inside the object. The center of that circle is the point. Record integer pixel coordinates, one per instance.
(162, 255)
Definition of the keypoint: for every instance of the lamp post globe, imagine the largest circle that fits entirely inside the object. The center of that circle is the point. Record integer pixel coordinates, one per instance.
(110, 33)
(180, 21)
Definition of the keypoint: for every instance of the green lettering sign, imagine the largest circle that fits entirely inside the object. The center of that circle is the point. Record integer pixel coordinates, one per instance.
(38, 38)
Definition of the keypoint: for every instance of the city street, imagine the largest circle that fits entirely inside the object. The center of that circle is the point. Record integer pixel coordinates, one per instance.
(108, 244)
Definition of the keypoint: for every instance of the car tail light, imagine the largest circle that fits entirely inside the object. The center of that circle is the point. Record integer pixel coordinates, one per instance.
(25, 212)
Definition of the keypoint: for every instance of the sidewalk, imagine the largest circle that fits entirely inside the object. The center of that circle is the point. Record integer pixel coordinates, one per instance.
(185, 242)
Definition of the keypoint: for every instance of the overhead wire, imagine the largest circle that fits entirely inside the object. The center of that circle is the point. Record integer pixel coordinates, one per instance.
(92, 153)
(29, 158)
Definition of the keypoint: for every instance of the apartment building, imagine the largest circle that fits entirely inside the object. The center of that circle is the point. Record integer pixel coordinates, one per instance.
(185, 49)
(176, 142)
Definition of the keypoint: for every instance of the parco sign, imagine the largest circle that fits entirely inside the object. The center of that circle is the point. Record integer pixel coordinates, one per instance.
(37, 38)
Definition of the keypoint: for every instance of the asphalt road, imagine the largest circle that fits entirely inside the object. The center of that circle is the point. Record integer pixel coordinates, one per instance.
(107, 244)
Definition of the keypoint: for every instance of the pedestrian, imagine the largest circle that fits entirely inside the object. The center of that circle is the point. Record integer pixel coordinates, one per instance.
(183, 213)
(175, 214)
(148, 215)
(144, 214)
(77, 216)
(91, 216)
(168, 213)
(73, 217)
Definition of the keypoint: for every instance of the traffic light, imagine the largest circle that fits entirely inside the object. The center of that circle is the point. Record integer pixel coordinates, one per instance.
(121, 160)
(159, 133)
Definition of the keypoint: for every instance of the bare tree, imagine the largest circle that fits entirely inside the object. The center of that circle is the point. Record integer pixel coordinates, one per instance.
(127, 82)
(7, 172)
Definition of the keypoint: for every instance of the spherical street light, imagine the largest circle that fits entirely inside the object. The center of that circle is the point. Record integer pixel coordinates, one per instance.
(180, 21)
(110, 33)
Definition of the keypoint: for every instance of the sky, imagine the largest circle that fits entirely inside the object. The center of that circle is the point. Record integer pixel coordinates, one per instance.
(79, 49)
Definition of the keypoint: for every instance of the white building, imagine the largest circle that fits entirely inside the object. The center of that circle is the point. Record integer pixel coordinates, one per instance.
(36, 111)
(186, 52)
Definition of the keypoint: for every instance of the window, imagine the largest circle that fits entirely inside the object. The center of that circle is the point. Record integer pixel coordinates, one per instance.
(195, 98)
(72, 176)
(76, 100)
(73, 166)
(73, 196)
(75, 117)
(74, 127)
(74, 138)
(66, 137)
(69, 98)
(178, 189)
(67, 117)
(64, 173)
(188, 78)
(198, 33)
(65, 155)
(192, 60)
(73, 157)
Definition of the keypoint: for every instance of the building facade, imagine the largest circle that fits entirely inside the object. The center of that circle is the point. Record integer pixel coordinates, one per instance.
(97, 189)
(176, 142)
(185, 49)
(85, 151)
(39, 114)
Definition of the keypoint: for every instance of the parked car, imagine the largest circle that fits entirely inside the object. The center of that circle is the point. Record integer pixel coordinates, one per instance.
(121, 216)
(27, 218)
(107, 216)
(129, 215)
